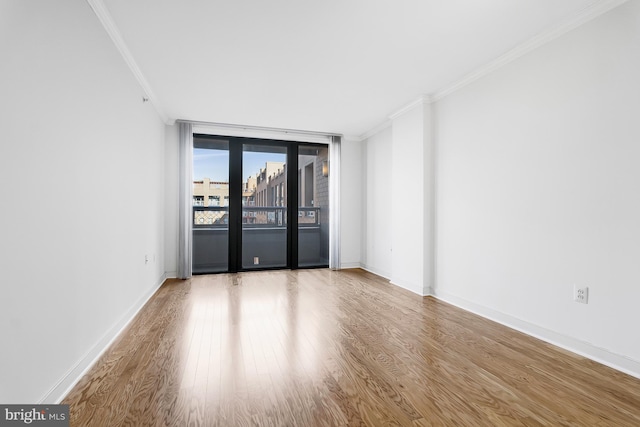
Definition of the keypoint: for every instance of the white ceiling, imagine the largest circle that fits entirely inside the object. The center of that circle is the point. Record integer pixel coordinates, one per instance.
(340, 66)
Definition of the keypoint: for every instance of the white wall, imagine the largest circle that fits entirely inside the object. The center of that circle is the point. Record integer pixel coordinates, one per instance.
(81, 179)
(376, 243)
(407, 200)
(398, 198)
(412, 199)
(350, 203)
(538, 189)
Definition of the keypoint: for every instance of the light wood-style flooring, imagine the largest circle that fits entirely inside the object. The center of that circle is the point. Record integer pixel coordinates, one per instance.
(327, 348)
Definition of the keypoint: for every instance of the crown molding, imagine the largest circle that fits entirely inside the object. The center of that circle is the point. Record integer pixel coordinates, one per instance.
(382, 126)
(587, 14)
(590, 12)
(422, 100)
(109, 25)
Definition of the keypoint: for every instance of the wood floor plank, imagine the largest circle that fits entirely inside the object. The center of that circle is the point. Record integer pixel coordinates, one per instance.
(336, 348)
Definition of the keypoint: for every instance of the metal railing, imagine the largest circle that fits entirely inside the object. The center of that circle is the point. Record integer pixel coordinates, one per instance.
(253, 217)
(210, 217)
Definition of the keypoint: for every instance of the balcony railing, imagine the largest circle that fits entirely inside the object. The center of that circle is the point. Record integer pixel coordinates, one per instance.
(210, 217)
(253, 217)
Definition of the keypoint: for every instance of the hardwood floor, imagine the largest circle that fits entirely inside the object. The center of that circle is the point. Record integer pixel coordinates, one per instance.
(327, 348)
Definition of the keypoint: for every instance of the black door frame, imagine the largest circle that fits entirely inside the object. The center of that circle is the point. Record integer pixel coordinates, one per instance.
(236, 150)
(236, 145)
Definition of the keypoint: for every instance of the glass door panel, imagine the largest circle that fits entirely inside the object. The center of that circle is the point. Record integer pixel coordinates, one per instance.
(313, 206)
(264, 206)
(210, 205)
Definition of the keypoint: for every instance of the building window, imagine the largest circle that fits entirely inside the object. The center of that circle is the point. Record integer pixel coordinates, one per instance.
(198, 200)
(214, 200)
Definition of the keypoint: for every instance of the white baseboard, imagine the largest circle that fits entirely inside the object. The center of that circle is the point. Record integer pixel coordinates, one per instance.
(349, 265)
(71, 378)
(387, 276)
(600, 355)
(377, 272)
(407, 287)
(171, 275)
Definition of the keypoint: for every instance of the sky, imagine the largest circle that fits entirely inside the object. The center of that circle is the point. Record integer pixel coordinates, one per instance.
(214, 164)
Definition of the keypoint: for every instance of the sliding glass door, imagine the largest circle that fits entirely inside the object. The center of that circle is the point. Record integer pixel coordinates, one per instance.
(264, 207)
(259, 204)
(313, 205)
(210, 205)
